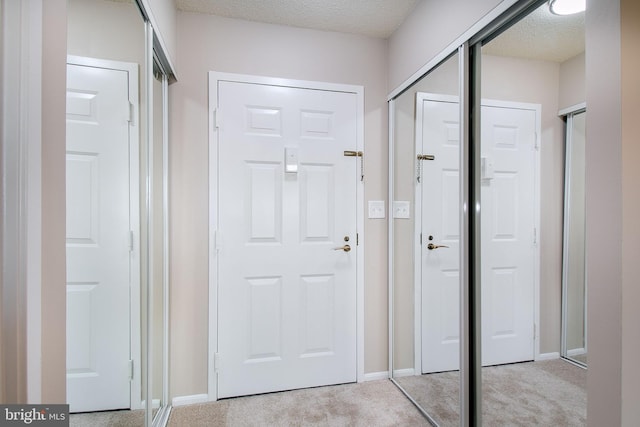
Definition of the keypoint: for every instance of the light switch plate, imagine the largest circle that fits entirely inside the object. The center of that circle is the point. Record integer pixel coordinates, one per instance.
(402, 209)
(376, 209)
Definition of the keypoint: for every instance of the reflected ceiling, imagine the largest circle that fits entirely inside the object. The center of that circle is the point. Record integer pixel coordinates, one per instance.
(542, 35)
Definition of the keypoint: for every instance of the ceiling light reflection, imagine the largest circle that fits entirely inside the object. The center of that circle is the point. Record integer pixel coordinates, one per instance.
(567, 7)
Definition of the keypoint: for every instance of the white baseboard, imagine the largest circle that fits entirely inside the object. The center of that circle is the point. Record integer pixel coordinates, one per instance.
(375, 376)
(155, 403)
(576, 352)
(408, 372)
(548, 356)
(189, 400)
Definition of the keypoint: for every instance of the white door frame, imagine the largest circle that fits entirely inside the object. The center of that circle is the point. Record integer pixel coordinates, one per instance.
(214, 78)
(134, 215)
(537, 108)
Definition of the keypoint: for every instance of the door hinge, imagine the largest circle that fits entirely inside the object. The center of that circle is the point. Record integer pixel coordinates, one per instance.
(216, 118)
(420, 238)
(535, 146)
(130, 241)
(535, 236)
(357, 239)
(132, 115)
(216, 240)
(216, 362)
(130, 370)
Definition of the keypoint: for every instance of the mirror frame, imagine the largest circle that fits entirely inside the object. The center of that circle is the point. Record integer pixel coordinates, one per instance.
(154, 53)
(568, 114)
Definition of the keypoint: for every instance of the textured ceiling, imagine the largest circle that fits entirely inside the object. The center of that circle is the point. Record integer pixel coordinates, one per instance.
(541, 35)
(375, 18)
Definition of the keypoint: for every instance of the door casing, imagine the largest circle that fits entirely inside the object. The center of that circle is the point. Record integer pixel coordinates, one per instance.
(214, 78)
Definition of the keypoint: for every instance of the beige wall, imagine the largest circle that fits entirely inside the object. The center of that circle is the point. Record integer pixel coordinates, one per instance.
(165, 24)
(210, 43)
(630, 12)
(433, 25)
(611, 190)
(106, 30)
(50, 296)
(572, 82)
(54, 76)
(2, 173)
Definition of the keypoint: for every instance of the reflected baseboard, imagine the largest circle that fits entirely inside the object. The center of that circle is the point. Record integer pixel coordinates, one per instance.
(397, 373)
(155, 403)
(576, 352)
(548, 356)
(375, 376)
(189, 400)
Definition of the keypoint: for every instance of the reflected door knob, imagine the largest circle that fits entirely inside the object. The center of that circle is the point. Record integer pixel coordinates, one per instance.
(345, 248)
(431, 246)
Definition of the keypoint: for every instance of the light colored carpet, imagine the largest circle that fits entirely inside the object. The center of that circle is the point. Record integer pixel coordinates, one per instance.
(375, 403)
(108, 419)
(547, 393)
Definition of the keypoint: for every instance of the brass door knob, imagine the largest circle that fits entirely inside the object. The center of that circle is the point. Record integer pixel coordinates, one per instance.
(431, 246)
(345, 248)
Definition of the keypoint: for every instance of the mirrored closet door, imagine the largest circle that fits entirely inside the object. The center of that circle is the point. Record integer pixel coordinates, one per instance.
(426, 282)
(116, 168)
(476, 248)
(574, 277)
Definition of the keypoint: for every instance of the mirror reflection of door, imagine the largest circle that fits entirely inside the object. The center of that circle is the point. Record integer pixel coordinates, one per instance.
(508, 252)
(102, 219)
(104, 144)
(574, 345)
(437, 199)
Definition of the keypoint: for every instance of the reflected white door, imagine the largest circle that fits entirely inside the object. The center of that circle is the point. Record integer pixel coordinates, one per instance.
(97, 239)
(437, 134)
(287, 299)
(508, 241)
(507, 253)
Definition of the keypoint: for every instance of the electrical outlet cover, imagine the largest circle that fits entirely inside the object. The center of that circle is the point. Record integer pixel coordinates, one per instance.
(402, 209)
(376, 209)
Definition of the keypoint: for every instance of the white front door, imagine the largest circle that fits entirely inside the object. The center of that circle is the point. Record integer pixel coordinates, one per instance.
(287, 200)
(507, 253)
(98, 239)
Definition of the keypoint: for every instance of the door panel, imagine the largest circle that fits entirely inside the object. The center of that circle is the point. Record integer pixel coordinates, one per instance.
(98, 256)
(507, 233)
(287, 197)
(438, 135)
(508, 145)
